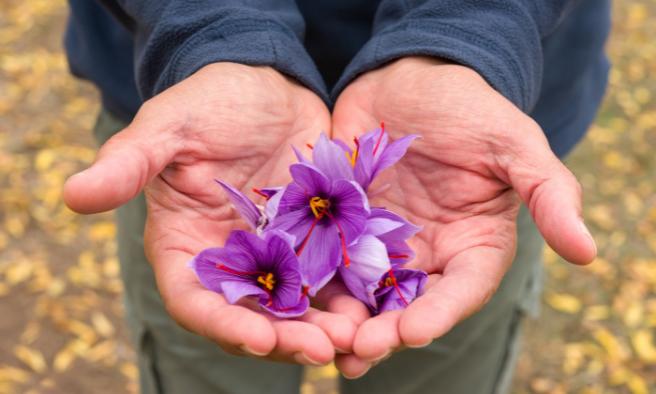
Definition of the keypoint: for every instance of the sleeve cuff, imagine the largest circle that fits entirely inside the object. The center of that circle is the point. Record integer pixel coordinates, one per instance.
(251, 42)
(496, 60)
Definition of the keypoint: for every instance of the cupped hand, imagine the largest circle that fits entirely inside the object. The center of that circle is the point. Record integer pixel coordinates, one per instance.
(478, 156)
(230, 122)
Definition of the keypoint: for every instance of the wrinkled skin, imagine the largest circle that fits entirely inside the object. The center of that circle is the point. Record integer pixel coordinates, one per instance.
(478, 156)
(234, 123)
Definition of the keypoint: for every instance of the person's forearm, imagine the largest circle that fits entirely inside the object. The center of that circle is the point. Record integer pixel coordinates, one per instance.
(176, 38)
(501, 40)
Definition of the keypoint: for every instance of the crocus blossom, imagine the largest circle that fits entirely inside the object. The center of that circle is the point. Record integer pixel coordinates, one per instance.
(398, 288)
(374, 153)
(315, 226)
(325, 216)
(252, 266)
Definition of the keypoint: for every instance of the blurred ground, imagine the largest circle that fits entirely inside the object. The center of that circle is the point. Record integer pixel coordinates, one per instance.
(60, 296)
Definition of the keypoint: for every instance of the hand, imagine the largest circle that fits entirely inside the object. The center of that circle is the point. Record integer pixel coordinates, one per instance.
(235, 123)
(478, 155)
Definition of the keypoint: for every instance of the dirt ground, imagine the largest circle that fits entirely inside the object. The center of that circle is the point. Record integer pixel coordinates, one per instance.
(61, 329)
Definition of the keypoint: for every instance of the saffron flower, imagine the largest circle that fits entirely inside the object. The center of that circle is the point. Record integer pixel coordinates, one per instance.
(325, 215)
(373, 153)
(316, 226)
(266, 268)
(381, 247)
(369, 262)
(255, 216)
(393, 231)
(398, 288)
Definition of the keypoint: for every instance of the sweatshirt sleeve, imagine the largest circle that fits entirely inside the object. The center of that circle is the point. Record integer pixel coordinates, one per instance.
(175, 38)
(500, 39)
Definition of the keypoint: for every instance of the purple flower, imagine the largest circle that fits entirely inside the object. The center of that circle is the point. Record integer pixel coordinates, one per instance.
(251, 266)
(256, 217)
(325, 214)
(381, 246)
(374, 153)
(393, 231)
(398, 288)
(369, 262)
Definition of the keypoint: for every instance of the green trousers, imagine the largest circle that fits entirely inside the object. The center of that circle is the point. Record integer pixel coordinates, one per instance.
(476, 357)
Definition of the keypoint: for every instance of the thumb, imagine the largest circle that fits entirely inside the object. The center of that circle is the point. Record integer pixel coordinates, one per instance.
(125, 163)
(553, 196)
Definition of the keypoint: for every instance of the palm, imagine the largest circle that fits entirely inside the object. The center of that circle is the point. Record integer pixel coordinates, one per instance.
(456, 181)
(228, 122)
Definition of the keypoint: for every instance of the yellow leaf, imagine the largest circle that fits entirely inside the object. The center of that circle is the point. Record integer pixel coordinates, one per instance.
(44, 159)
(564, 302)
(129, 371)
(63, 359)
(643, 343)
(614, 349)
(102, 325)
(634, 315)
(19, 272)
(30, 333)
(596, 313)
(13, 374)
(31, 357)
(637, 384)
(102, 231)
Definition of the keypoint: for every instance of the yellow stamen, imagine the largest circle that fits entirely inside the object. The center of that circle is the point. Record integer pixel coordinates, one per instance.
(352, 157)
(389, 282)
(267, 281)
(319, 206)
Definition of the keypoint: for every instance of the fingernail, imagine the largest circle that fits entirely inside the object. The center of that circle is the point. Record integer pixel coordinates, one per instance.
(248, 350)
(356, 376)
(385, 355)
(585, 231)
(420, 346)
(303, 358)
(341, 351)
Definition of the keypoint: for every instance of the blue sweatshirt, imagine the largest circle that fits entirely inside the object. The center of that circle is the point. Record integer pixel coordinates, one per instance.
(546, 56)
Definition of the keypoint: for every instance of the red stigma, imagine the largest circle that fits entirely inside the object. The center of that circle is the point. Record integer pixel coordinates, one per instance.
(347, 260)
(261, 193)
(380, 137)
(235, 272)
(307, 237)
(396, 287)
(310, 146)
(398, 256)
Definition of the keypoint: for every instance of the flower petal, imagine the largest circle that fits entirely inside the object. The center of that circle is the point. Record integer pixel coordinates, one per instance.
(236, 290)
(410, 284)
(331, 159)
(358, 288)
(403, 232)
(246, 208)
(351, 208)
(271, 206)
(310, 180)
(299, 155)
(369, 260)
(294, 311)
(320, 257)
(392, 153)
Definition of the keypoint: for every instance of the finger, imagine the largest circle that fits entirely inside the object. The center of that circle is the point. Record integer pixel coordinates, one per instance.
(349, 120)
(339, 328)
(378, 337)
(233, 327)
(335, 297)
(125, 163)
(553, 196)
(302, 343)
(352, 366)
(467, 283)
